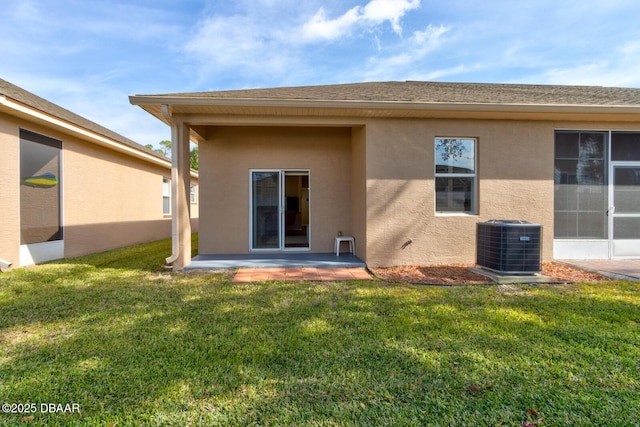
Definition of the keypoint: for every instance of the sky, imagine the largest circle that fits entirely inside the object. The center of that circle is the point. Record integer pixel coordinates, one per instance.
(89, 56)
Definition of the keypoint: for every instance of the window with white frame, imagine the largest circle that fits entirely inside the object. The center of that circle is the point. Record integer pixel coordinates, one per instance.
(166, 196)
(40, 188)
(193, 194)
(455, 175)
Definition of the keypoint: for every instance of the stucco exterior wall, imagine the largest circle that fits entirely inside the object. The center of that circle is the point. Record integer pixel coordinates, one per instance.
(10, 180)
(359, 189)
(376, 180)
(515, 181)
(109, 199)
(231, 152)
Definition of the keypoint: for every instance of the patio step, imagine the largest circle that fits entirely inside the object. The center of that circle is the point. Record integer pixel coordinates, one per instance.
(245, 275)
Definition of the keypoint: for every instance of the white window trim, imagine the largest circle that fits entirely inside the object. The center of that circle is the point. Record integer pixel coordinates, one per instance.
(37, 253)
(474, 198)
(166, 194)
(281, 190)
(193, 194)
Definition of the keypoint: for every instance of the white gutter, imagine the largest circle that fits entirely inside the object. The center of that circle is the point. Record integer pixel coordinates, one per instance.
(166, 113)
(383, 105)
(97, 138)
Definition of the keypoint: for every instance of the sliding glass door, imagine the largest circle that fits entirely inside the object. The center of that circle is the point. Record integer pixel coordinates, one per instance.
(279, 204)
(265, 211)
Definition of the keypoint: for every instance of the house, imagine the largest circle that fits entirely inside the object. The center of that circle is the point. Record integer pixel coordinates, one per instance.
(409, 168)
(72, 187)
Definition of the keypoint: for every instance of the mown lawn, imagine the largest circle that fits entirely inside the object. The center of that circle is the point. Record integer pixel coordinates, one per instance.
(133, 344)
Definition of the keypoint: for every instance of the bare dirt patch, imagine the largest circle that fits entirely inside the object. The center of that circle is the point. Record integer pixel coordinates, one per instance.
(460, 274)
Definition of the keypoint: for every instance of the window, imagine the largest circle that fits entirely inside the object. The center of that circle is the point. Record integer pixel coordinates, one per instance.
(40, 182)
(455, 175)
(625, 146)
(166, 196)
(193, 194)
(581, 185)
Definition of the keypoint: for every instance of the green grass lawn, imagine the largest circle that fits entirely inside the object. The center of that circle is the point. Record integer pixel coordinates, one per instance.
(133, 344)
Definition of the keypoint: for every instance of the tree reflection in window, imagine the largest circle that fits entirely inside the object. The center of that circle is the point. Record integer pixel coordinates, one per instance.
(455, 175)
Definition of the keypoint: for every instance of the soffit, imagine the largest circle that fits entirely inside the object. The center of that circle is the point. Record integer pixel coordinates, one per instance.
(40, 105)
(404, 100)
(219, 113)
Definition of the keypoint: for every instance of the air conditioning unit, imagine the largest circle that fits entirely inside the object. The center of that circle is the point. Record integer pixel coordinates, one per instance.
(509, 246)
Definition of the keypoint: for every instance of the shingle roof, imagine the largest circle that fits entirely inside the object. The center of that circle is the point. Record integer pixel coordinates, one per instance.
(436, 92)
(27, 98)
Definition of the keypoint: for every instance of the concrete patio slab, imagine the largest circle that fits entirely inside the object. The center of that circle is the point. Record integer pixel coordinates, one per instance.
(245, 275)
(275, 260)
(628, 269)
(507, 279)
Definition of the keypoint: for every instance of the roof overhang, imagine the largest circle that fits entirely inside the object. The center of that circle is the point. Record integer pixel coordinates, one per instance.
(18, 109)
(201, 109)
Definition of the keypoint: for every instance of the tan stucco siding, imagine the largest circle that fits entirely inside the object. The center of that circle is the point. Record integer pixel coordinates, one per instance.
(231, 152)
(359, 189)
(10, 180)
(109, 199)
(515, 181)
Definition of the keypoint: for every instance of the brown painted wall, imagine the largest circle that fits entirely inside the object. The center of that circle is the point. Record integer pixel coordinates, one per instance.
(224, 181)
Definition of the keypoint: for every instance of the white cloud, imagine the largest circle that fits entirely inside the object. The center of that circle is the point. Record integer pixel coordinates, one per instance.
(413, 51)
(378, 11)
(244, 44)
(319, 27)
(374, 13)
(266, 43)
(620, 67)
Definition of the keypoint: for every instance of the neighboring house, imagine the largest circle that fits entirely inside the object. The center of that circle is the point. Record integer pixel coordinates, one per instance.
(72, 187)
(410, 168)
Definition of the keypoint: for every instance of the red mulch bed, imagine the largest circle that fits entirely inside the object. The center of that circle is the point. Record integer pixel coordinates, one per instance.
(460, 274)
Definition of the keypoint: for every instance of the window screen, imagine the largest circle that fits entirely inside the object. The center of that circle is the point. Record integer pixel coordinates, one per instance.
(40, 181)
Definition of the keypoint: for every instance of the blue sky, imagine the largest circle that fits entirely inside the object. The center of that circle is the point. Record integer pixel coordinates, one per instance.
(90, 55)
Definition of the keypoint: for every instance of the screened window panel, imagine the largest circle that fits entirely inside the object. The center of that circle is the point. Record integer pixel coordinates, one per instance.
(40, 181)
(591, 197)
(566, 197)
(580, 176)
(625, 146)
(592, 225)
(565, 225)
(627, 189)
(567, 145)
(626, 228)
(592, 145)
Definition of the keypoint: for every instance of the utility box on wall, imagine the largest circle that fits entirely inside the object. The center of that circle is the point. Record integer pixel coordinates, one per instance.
(509, 246)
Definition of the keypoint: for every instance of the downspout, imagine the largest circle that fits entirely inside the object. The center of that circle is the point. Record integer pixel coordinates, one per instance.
(5, 266)
(164, 108)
